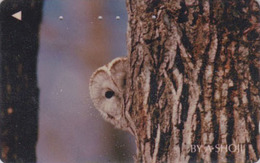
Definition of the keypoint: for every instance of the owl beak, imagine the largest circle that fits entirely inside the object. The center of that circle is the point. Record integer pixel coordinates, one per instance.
(110, 116)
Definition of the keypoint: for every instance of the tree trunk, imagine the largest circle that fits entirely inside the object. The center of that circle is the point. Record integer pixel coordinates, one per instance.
(18, 81)
(194, 80)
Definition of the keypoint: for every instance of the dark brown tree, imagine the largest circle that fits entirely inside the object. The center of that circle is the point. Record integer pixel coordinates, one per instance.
(18, 81)
(194, 80)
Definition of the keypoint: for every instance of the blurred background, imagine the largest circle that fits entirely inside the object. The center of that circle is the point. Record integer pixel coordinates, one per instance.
(73, 43)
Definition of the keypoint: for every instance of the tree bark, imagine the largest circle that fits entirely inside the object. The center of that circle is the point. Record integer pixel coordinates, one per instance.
(193, 88)
(19, 93)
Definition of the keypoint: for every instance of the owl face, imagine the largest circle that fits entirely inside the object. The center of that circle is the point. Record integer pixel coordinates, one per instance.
(107, 86)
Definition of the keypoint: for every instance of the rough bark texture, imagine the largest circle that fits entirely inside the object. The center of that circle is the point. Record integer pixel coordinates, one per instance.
(18, 80)
(194, 80)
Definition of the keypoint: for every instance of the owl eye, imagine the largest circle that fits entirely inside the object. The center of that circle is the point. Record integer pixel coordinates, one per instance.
(109, 94)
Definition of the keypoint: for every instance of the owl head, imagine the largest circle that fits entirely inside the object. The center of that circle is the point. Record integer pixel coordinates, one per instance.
(107, 86)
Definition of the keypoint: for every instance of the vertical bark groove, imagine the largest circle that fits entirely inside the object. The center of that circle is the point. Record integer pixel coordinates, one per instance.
(193, 80)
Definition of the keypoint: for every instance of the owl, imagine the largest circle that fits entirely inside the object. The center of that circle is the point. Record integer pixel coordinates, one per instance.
(107, 87)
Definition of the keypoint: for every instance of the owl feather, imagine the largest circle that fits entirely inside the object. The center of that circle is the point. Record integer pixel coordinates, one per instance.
(107, 87)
